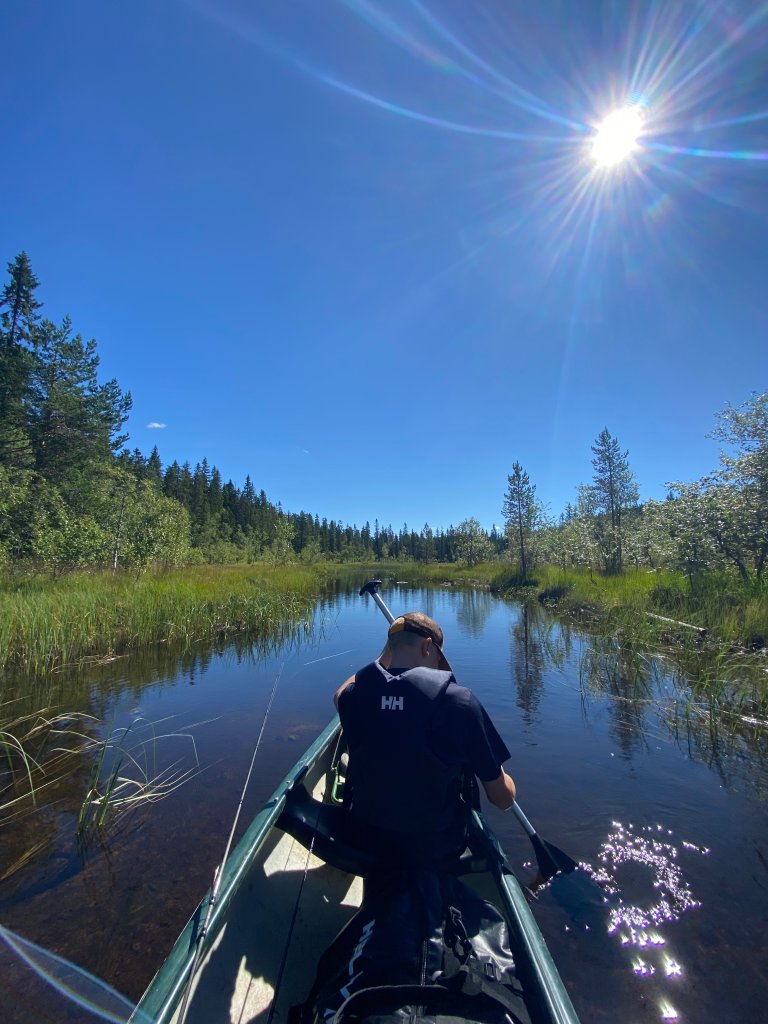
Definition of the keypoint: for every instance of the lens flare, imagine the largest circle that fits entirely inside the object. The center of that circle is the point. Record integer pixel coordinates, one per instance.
(617, 137)
(74, 983)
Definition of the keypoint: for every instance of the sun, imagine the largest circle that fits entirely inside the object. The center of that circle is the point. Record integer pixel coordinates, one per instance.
(616, 138)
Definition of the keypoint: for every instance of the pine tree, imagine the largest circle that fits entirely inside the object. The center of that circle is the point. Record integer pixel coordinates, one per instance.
(613, 491)
(75, 421)
(522, 512)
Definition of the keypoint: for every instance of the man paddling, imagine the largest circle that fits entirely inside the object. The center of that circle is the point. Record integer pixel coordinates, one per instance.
(414, 738)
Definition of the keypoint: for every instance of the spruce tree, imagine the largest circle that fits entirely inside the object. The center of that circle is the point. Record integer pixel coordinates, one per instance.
(613, 491)
(522, 512)
(19, 303)
(18, 321)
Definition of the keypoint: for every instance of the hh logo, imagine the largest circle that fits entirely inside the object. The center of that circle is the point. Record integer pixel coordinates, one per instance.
(391, 703)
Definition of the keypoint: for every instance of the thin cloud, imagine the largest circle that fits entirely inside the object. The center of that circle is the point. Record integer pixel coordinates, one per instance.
(156, 426)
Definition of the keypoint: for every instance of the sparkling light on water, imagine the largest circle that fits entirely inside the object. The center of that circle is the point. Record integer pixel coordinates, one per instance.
(638, 924)
(673, 894)
(672, 967)
(668, 1012)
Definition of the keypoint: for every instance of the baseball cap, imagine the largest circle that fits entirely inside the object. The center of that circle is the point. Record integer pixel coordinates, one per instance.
(418, 622)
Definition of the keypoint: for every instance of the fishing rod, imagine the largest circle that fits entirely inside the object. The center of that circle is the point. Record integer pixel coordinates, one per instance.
(550, 860)
(219, 872)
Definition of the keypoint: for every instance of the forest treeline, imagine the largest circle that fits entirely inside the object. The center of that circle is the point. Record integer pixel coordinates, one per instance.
(73, 495)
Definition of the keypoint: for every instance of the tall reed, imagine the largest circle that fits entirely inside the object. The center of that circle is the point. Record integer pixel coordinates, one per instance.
(45, 626)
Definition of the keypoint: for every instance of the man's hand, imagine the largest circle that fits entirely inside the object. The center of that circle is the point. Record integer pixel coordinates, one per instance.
(500, 791)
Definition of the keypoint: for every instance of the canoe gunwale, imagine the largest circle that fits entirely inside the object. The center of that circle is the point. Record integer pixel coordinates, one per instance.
(537, 969)
(166, 989)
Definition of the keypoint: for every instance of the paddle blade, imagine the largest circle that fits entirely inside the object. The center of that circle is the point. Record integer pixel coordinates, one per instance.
(551, 861)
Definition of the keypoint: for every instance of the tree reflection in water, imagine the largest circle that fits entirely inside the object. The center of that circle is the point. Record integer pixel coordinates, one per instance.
(710, 704)
(537, 643)
(473, 609)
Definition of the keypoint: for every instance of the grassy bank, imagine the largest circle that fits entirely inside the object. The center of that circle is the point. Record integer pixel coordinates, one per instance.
(719, 607)
(712, 634)
(45, 624)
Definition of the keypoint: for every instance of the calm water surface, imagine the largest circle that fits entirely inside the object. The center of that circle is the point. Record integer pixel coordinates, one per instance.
(665, 803)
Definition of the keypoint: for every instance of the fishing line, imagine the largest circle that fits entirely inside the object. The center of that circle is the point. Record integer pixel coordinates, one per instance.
(220, 869)
(297, 902)
(327, 657)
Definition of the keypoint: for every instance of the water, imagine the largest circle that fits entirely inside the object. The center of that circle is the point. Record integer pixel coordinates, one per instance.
(663, 802)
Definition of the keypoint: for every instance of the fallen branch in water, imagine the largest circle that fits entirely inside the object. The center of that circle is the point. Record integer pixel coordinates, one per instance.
(701, 630)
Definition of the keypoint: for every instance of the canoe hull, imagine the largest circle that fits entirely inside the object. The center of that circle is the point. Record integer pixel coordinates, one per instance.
(279, 906)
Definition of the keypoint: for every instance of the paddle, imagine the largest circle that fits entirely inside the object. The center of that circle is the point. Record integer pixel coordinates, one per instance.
(550, 860)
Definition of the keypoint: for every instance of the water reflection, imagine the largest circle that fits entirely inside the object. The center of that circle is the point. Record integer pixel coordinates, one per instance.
(529, 657)
(625, 678)
(538, 645)
(646, 695)
(578, 699)
(473, 609)
(96, 686)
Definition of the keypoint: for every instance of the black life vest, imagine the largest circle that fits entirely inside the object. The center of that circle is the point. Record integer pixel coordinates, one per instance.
(396, 780)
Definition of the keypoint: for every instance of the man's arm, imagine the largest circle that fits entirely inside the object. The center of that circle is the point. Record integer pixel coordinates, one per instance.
(500, 791)
(341, 689)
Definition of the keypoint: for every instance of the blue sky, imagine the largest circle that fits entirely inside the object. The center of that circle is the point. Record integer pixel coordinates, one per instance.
(360, 251)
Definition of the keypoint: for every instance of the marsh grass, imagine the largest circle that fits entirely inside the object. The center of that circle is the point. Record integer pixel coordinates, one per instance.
(125, 776)
(728, 610)
(710, 632)
(50, 624)
(25, 858)
(37, 751)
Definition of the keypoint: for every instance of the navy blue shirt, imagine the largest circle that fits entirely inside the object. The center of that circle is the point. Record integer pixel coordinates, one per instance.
(462, 733)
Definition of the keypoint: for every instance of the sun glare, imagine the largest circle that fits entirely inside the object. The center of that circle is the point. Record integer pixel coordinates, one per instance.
(616, 138)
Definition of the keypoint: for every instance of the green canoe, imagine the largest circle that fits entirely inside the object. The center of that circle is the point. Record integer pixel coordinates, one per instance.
(279, 905)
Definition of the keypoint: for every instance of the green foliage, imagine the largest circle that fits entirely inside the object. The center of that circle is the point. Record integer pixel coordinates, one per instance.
(472, 544)
(281, 550)
(125, 776)
(75, 421)
(156, 529)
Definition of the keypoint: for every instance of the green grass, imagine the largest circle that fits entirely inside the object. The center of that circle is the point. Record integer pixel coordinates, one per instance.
(37, 750)
(638, 614)
(47, 624)
(720, 604)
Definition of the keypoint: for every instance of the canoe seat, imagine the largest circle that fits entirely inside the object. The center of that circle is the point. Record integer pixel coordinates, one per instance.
(321, 827)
